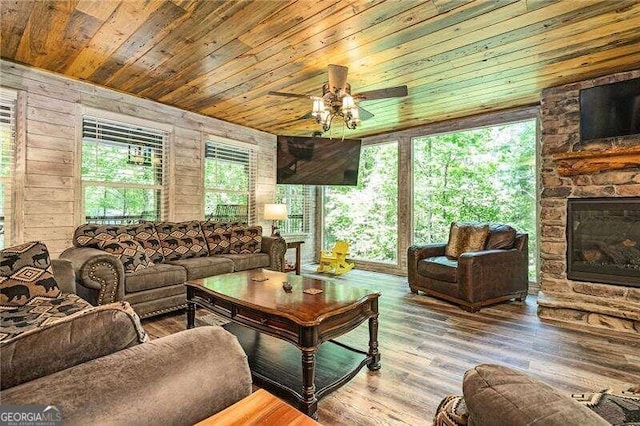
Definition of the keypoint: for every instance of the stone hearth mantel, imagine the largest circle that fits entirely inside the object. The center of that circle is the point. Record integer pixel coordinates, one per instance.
(596, 161)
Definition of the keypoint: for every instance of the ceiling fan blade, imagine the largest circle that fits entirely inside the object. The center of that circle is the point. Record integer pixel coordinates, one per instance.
(288, 95)
(337, 77)
(389, 92)
(364, 114)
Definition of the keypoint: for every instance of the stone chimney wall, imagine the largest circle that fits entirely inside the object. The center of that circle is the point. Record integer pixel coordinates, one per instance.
(573, 303)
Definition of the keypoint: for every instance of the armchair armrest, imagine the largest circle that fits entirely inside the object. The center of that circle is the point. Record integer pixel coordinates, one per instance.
(421, 251)
(483, 275)
(69, 341)
(275, 247)
(64, 275)
(99, 275)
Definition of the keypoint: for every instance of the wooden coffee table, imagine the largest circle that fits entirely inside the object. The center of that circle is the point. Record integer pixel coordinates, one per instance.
(274, 327)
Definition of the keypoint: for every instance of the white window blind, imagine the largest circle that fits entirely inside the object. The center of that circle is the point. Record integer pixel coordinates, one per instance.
(298, 199)
(7, 164)
(122, 171)
(229, 181)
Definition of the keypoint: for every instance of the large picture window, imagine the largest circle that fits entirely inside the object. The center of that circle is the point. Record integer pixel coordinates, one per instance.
(299, 208)
(229, 182)
(366, 215)
(122, 171)
(483, 175)
(7, 149)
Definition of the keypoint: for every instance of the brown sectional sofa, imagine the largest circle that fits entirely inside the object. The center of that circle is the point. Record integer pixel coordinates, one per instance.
(153, 281)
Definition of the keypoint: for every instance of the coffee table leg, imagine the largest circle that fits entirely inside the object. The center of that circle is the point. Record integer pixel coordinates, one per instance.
(374, 353)
(309, 403)
(191, 308)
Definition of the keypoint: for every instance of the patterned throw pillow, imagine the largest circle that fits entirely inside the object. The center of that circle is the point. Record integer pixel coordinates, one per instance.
(452, 411)
(25, 273)
(246, 239)
(91, 235)
(218, 235)
(182, 240)
(466, 237)
(129, 251)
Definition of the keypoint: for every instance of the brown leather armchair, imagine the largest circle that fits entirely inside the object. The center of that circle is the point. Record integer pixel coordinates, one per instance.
(495, 271)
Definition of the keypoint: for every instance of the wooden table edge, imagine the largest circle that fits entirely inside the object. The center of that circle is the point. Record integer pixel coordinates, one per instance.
(272, 411)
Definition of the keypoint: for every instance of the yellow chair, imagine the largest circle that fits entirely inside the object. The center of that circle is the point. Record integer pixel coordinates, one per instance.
(336, 260)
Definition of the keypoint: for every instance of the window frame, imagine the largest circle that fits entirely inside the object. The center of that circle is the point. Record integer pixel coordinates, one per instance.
(125, 120)
(10, 98)
(307, 209)
(252, 174)
(369, 262)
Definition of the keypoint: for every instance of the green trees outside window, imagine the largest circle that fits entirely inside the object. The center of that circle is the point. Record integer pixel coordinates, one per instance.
(366, 215)
(484, 174)
(122, 172)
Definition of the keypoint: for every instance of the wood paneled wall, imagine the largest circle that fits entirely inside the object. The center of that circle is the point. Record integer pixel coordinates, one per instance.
(48, 190)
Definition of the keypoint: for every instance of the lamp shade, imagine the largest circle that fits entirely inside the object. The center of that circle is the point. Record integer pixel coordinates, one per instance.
(275, 212)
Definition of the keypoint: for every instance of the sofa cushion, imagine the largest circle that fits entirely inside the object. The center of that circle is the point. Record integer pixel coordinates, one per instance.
(499, 395)
(218, 235)
(37, 313)
(157, 276)
(202, 267)
(243, 262)
(66, 332)
(179, 379)
(501, 237)
(90, 235)
(439, 268)
(25, 273)
(246, 239)
(182, 240)
(465, 237)
(129, 251)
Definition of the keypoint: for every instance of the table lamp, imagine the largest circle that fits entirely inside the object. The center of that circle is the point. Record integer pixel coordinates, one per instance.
(275, 212)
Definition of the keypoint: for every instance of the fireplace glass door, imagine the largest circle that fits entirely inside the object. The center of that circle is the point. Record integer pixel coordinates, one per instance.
(604, 240)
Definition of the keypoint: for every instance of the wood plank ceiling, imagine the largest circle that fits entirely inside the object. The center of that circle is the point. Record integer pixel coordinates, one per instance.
(220, 58)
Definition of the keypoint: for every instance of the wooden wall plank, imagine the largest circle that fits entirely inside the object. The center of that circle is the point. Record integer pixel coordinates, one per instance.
(50, 124)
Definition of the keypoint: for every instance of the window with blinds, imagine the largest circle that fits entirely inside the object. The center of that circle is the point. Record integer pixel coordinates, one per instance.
(229, 182)
(7, 162)
(298, 199)
(122, 171)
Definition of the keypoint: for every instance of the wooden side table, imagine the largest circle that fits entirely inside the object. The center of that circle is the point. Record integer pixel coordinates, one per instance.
(297, 245)
(259, 408)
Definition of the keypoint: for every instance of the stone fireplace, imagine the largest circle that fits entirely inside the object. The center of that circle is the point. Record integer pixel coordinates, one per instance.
(589, 279)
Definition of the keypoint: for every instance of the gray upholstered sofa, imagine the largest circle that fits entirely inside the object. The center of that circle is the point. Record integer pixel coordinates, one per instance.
(97, 364)
(162, 256)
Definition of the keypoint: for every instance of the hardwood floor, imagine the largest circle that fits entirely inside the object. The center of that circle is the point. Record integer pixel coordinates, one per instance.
(427, 345)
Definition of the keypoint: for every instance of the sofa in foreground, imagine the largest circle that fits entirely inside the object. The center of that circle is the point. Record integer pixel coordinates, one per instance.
(96, 363)
(498, 395)
(147, 264)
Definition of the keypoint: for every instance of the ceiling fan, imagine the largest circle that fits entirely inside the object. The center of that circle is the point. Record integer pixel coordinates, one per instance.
(337, 100)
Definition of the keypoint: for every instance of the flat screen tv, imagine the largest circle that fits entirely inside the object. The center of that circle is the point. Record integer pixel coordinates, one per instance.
(610, 110)
(318, 161)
